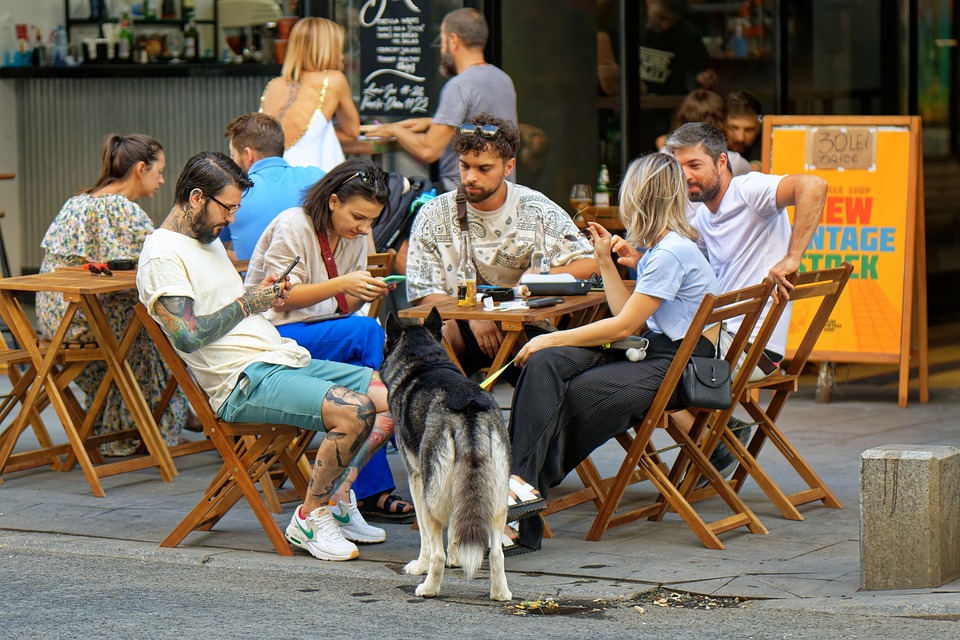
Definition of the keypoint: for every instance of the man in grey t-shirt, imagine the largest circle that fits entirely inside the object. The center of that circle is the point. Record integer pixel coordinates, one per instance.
(474, 87)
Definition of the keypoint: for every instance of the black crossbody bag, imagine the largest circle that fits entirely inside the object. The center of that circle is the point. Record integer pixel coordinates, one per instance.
(705, 383)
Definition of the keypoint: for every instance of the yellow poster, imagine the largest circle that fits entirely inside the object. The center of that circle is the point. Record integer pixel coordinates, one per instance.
(864, 222)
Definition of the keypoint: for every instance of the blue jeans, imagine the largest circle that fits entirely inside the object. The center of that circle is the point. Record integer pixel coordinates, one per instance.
(353, 340)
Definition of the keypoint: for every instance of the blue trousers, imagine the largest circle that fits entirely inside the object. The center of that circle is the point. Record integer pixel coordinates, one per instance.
(354, 340)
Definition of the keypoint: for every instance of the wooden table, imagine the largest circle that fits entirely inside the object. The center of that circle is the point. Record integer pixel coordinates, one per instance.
(572, 312)
(80, 290)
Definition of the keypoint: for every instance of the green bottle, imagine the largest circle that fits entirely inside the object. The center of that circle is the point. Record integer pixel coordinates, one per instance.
(601, 195)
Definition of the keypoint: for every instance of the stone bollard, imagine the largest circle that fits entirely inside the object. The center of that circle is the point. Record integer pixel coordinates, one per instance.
(909, 516)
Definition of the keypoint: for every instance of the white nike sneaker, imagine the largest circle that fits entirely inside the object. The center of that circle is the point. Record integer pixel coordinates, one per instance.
(320, 535)
(352, 524)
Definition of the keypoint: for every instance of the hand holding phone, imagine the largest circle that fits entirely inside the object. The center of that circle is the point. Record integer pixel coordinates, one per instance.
(278, 286)
(394, 278)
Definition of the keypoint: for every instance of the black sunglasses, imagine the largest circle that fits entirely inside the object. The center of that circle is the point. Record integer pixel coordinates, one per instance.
(485, 130)
(373, 181)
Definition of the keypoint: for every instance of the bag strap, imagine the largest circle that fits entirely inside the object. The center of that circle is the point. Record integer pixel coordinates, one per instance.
(332, 272)
(461, 200)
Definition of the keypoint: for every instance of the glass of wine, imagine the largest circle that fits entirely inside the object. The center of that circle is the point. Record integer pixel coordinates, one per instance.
(581, 197)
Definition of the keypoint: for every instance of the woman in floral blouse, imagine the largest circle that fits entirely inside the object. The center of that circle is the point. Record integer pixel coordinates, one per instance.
(102, 223)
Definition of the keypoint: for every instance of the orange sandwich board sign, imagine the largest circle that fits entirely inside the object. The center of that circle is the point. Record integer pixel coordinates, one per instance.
(874, 219)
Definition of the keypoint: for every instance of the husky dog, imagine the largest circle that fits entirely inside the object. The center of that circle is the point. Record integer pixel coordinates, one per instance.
(457, 453)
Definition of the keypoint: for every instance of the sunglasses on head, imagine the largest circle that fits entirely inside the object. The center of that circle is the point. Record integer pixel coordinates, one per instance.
(372, 181)
(485, 130)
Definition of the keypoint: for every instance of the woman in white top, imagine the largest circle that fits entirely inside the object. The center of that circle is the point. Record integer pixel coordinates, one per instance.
(311, 91)
(329, 284)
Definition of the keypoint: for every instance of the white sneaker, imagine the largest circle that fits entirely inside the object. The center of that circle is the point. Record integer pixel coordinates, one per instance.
(320, 535)
(352, 524)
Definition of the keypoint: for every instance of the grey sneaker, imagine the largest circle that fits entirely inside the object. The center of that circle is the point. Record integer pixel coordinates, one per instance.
(722, 458)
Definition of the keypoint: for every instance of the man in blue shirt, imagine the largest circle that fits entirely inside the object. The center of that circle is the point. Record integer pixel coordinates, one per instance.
(256, 144)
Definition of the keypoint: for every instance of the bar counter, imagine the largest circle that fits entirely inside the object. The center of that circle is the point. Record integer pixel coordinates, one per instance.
(64, 114)
(159, 70)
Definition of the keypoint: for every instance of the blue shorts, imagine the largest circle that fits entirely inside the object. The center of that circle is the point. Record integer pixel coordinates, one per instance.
(277, 394)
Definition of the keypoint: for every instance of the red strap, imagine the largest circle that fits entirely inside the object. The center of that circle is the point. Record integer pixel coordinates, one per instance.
(331, 269)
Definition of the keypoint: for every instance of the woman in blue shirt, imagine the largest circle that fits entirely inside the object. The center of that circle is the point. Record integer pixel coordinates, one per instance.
(572, 396)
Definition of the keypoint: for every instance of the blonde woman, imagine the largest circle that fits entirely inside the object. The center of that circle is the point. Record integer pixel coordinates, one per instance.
(311, 91)
(573, 396)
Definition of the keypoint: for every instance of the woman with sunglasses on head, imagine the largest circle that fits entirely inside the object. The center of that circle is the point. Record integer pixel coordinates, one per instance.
(102, 223)
(329, 285)
(310, 92)
(573, 396)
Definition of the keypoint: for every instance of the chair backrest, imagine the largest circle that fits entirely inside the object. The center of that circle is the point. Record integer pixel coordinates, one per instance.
(828, 285)
(197, 397)
(380, 265)
(747, 303)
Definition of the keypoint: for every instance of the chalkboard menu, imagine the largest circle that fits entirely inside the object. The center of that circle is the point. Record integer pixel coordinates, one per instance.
(395, 58)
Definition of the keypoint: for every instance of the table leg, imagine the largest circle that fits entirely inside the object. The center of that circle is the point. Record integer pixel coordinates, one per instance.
(126, 382)
(506, 349)
(23, 331)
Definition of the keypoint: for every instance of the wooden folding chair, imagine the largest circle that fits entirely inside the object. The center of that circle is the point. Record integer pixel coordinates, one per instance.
(827, 285)
(640, 458)
(380, 265)
(248, 451)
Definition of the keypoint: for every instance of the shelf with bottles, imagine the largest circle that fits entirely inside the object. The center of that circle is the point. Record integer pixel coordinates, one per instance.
(735, 30)
(155, 26)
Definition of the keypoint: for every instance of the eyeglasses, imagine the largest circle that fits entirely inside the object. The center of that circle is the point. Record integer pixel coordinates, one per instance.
(373, 181)
(231, 209)
(485, 130)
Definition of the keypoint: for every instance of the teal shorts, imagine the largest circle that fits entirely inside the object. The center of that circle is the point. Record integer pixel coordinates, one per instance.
(277, 394)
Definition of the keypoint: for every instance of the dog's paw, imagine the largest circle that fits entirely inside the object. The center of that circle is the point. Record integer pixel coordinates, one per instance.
(415, 568)
(452, 559)
(424, 591)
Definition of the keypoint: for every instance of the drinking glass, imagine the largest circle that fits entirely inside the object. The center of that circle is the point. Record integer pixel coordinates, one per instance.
(581, 197)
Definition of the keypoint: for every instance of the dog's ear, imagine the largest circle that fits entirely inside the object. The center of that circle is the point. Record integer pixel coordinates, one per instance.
(394, 331)
(434, 324)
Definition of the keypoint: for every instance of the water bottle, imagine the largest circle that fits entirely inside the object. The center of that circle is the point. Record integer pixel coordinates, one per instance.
(60, 47)
(539, 259)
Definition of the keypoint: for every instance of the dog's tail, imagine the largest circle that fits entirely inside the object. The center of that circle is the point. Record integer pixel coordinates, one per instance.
(481, 473)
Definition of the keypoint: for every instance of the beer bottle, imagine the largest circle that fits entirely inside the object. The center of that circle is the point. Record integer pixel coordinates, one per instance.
(601, 195)
(191, 40)
(466, 274)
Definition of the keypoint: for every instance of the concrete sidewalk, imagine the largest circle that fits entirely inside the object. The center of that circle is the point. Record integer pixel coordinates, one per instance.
(811, 564)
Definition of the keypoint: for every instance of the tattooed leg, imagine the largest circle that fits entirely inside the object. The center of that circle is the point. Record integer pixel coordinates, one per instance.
(381, 432)
(349, 419)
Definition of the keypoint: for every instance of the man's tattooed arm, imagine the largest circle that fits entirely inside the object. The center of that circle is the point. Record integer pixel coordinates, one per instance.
(189, 332)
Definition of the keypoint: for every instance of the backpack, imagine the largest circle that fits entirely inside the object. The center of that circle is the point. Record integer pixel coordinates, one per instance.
(394, 224)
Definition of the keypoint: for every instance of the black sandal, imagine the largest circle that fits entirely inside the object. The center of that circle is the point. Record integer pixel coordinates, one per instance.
(386, 513)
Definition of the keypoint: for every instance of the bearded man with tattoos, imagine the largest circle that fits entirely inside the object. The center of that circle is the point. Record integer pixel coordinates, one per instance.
(250, 372)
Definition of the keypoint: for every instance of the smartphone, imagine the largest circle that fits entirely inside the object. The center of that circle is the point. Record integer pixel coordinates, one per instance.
(394, 278)
(288, 269)
(278, 287)
(539, 303)
(329, 316)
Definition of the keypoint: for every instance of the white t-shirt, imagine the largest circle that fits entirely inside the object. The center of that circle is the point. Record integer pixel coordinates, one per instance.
(502, 241)
(172, 264)
(745, 237)
(291, 234)
(675, 271)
